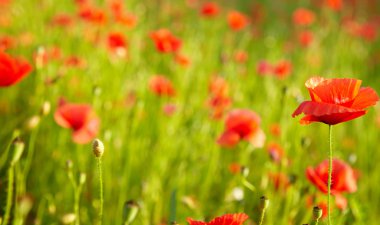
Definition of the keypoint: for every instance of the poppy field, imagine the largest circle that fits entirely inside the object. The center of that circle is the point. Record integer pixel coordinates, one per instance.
(189, 112)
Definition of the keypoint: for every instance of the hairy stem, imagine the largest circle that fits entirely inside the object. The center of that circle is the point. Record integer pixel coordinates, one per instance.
(330, 173)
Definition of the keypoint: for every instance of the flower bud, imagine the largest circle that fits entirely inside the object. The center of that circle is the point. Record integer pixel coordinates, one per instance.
(98, 148)
(317, 213)
(18, 149)
(264, 202)
(45, 109)
(130, 210)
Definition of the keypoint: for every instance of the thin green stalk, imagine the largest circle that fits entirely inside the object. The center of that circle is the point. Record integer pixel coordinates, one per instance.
(9, 196)
(262, 217)
(100, 189)
(330, 173)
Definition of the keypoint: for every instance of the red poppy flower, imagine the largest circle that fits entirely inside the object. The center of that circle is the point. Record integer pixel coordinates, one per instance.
(219, 101)
(210, 9)
(335, 101)
(303, 17)
(305, 38)
(280, 181)
(264, 68)
(92, 14)
(161, 86)
(117, 43)
(242, 124)
(241, 56)
(165, 41)
(275, 129)
(237, 20)
(228, 219)
(182, 60)
(6, 42)
(12, 70)
(62, 20)
(282, 69)
(276, 152)
(334, 4)
(234, 168)
(343, 177)
(80, 118)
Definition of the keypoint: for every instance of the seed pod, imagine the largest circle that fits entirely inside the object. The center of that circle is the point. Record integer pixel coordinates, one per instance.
(98, 148)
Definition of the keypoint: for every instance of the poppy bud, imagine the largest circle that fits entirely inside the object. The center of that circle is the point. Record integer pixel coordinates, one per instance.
(244, 171)
(317, 213)
(82, 178)
(45, 109)
(264, 202)
(130, 210)
(69, 164)
(98, 148)
(33, 122)
(18, 148)
(68, 218)
(174, 223)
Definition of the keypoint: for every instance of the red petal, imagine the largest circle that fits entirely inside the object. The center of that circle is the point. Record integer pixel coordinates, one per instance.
(316, 180)
(229, 139)
(366, 97)
(194, 222)
(335, 91)
(230, 219)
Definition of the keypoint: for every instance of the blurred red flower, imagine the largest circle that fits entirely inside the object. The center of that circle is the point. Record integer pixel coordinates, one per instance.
(276, 152)
(237, 20)
(12, 70)
(242, 124)
(282, 69)
(280, 181)
(343, 177)
(92, 14)
(117, 43)
(241, 56)
(228, 219)
(335, 101)
(165, 41)
(303, 17)
(62, 20)
(210, 9)
(161, 86)
(305, 38)
(334, 4)
(6, 42)
(182, 60)
(234, 168)
(121, 16)
(80, 118)
(264, 68)
(219, 101)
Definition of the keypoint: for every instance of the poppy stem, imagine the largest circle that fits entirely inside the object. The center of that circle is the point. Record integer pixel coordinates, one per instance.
(100, 190)
(330, 173)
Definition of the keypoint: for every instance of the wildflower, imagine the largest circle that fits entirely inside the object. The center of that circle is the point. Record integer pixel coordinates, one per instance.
(228, 219)
(165, 41)
(236, 20)
(335, 101)
(242, 124)
(343, 177)
(161, 86)
(303, 17)
(12, 70)
(80, 118)
(210, 9)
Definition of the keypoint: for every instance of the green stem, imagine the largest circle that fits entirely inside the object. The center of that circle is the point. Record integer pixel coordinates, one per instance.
(9, 196)
(100, 190)
(262, 217)
(330, 173)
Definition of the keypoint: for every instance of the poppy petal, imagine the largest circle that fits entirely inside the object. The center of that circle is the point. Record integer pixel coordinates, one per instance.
(257, 139)
(229, 139)
(366, 97)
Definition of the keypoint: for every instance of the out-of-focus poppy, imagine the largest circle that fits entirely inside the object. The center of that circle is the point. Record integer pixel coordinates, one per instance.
(120, 15)
(228, 219)
(242, 124)
(80, 118)
(92, 14)
(117, 43)
(305, 38)
(280, 181)
(303, 17)
(62, 20)
(165, 41)
(210, 9)
(161, 86)
(282, 69)
(264, 68)
(75, 61)
(169, 109)
(235, 168)
(219, 101)
(335, 101)
(12, 70)
(241, 56)
(343, 177)
(6, 42)
(275, 129)
(237, 20)
(182, 60)
(334, 4)
(276, 152)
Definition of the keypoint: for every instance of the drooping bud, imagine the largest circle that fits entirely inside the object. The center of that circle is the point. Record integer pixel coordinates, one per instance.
(264, 202)
(317, 213)
(82, 178)
(130, 210)
(98, 148)
(18, 149)
(45, 109)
